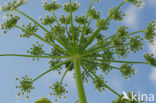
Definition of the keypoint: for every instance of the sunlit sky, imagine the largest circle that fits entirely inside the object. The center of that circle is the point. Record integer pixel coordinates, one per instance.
(137, 18)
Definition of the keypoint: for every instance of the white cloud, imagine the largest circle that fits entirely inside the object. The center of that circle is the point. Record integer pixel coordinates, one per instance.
(116, 83)
(152, 48)
(132, 17)
(153, 76)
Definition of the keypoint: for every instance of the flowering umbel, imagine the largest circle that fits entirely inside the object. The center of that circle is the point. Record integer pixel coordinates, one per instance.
(58, 90)
(25, 86)
(75, 44)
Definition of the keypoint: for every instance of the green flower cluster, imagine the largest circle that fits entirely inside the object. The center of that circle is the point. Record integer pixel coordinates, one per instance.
(150, 31)
(136, 43)
(126, 70)
(94, 14)
(10, 6)
(150, 59)
(116, 14)
(10, 23)
(99, 23)
(65, 20)
(138, 3)
(48, 37)
(81, 19)
(47, 20)
(58, 90)
(58, 30)
(36, 50)
(51, 6)
(74, 6)
(120, 44)
(28, 30)
(107, 55)
(99, 84)
(43, 100)
(26, 85)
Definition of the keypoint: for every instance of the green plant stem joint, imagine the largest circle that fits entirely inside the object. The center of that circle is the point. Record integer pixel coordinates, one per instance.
(76, 46)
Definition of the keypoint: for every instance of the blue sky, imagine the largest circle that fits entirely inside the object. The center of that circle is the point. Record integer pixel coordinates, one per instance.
(144, 81)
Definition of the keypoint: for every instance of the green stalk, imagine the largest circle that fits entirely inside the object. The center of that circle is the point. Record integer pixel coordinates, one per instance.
(91, 38)
(32, 56)
(50, 70)
(80, 88)
(117, 61)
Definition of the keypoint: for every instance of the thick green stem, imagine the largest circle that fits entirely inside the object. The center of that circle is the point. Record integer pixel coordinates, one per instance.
(80, 88)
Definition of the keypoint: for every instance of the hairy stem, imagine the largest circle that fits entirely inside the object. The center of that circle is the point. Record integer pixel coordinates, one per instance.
(80, 88)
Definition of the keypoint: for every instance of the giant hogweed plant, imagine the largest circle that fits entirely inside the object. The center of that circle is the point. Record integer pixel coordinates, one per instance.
(77, 46)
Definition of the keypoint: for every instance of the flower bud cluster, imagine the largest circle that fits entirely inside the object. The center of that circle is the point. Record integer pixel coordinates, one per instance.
(107, 55)
(10, 23)
(94, 14)
(99, 22)
(126, 70)
(58, 29)
(12, 5)
(65, 20)
(47, 20)
(58, 90)
(51, 6)
(75, 6)
(150, 31)
(137, 3)
(119, 41)
(36, 50)
(136, 43)
(81, 19)
(28, 30)
(48, 37)
(116, 14)
(26, 85)
(99, 84)
(150, 59)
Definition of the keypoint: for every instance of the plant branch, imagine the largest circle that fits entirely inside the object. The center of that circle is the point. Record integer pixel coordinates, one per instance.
(93, 48)
(40, 26)
(31, 56)
(84, 26)
(65, 73)
(101, 80)
(91, 39)
(50, 70)
(133, 62)
(71, 20)
(42, 39)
